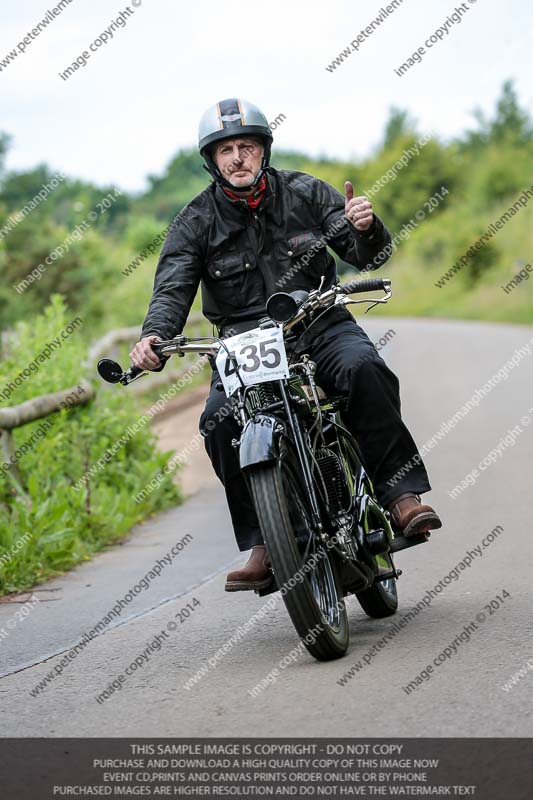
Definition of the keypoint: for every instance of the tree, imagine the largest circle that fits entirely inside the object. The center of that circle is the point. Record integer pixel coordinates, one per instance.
(510, 125)
(4, 145)
(398, 125)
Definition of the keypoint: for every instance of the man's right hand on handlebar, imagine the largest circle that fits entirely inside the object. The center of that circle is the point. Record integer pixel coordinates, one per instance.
(143, 356)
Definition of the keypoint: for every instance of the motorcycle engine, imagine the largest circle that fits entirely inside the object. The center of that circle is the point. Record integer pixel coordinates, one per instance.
(332, 473)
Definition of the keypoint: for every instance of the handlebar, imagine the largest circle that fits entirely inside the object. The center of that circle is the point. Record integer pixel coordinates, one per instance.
(331, 296)
(112, 372)
(134, 372)
(365, 285)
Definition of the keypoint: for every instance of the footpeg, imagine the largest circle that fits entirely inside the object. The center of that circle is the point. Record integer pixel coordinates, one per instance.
(403, 542)
(385, 576)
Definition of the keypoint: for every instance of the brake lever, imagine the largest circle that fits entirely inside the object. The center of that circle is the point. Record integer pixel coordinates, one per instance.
(126, 379)
(171, 346)
(374, 301)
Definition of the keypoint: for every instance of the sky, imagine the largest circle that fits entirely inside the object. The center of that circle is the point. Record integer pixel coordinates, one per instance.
(140, 96)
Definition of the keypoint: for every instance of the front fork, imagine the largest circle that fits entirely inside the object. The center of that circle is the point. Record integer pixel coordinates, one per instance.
(260, 441)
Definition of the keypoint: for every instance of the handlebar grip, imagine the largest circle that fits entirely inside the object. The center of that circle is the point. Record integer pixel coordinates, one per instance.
(366, 285)
(132, 372)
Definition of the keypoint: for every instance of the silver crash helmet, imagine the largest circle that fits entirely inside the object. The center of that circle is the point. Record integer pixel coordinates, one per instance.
(227, 119)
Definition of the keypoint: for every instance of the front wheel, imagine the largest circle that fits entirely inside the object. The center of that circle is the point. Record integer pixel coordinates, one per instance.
(304, 569)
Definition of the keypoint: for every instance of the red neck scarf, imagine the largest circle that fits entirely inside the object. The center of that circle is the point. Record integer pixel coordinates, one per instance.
(254, 199)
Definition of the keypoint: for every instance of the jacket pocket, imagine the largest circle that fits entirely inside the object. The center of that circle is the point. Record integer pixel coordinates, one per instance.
(304, 260)
(229, 277)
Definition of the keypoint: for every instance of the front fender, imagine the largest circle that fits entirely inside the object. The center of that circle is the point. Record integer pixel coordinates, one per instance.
(260, 440)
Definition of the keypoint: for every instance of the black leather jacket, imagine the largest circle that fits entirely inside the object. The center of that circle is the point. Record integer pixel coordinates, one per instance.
(242, 257)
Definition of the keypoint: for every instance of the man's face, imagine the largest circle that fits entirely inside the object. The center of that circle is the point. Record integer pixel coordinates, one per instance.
(239, 159)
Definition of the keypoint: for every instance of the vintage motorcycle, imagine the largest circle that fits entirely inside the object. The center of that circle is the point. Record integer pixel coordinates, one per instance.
(325, 532)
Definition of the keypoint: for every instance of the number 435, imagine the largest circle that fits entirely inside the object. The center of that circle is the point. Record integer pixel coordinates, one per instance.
(255, 359)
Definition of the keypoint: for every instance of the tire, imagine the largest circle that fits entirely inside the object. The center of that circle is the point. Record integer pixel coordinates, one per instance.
(283, 511)
(380, 600)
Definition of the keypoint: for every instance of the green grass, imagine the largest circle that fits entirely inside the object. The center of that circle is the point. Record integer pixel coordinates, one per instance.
(476, 291)
(68, 525)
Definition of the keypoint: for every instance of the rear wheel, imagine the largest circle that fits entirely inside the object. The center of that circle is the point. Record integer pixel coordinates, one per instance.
(304, 570)
(380, 600)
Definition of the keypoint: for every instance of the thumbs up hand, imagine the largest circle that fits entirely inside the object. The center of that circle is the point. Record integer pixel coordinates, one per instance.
(358, 210)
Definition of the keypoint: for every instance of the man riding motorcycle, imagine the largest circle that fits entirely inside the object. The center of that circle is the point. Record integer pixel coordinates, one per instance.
(254, 231)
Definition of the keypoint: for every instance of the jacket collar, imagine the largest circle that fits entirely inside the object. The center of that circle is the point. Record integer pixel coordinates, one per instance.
(253, 200)
(270, 205)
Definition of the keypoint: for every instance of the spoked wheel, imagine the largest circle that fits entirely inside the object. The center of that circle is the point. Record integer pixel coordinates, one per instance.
(380, 599)
(304, 569)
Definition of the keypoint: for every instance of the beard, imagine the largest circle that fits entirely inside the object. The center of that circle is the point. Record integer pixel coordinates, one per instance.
(248, 178)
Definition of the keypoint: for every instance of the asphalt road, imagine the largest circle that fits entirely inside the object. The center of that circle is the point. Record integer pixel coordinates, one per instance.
(440, 365)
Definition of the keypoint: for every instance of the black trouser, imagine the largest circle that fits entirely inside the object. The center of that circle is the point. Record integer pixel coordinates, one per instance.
(349, 364)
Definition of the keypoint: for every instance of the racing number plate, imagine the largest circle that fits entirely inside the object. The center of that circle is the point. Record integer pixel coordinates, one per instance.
(260, 355)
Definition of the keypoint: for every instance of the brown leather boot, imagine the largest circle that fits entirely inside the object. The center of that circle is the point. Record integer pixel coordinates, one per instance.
(256, 574)
(411, 517)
